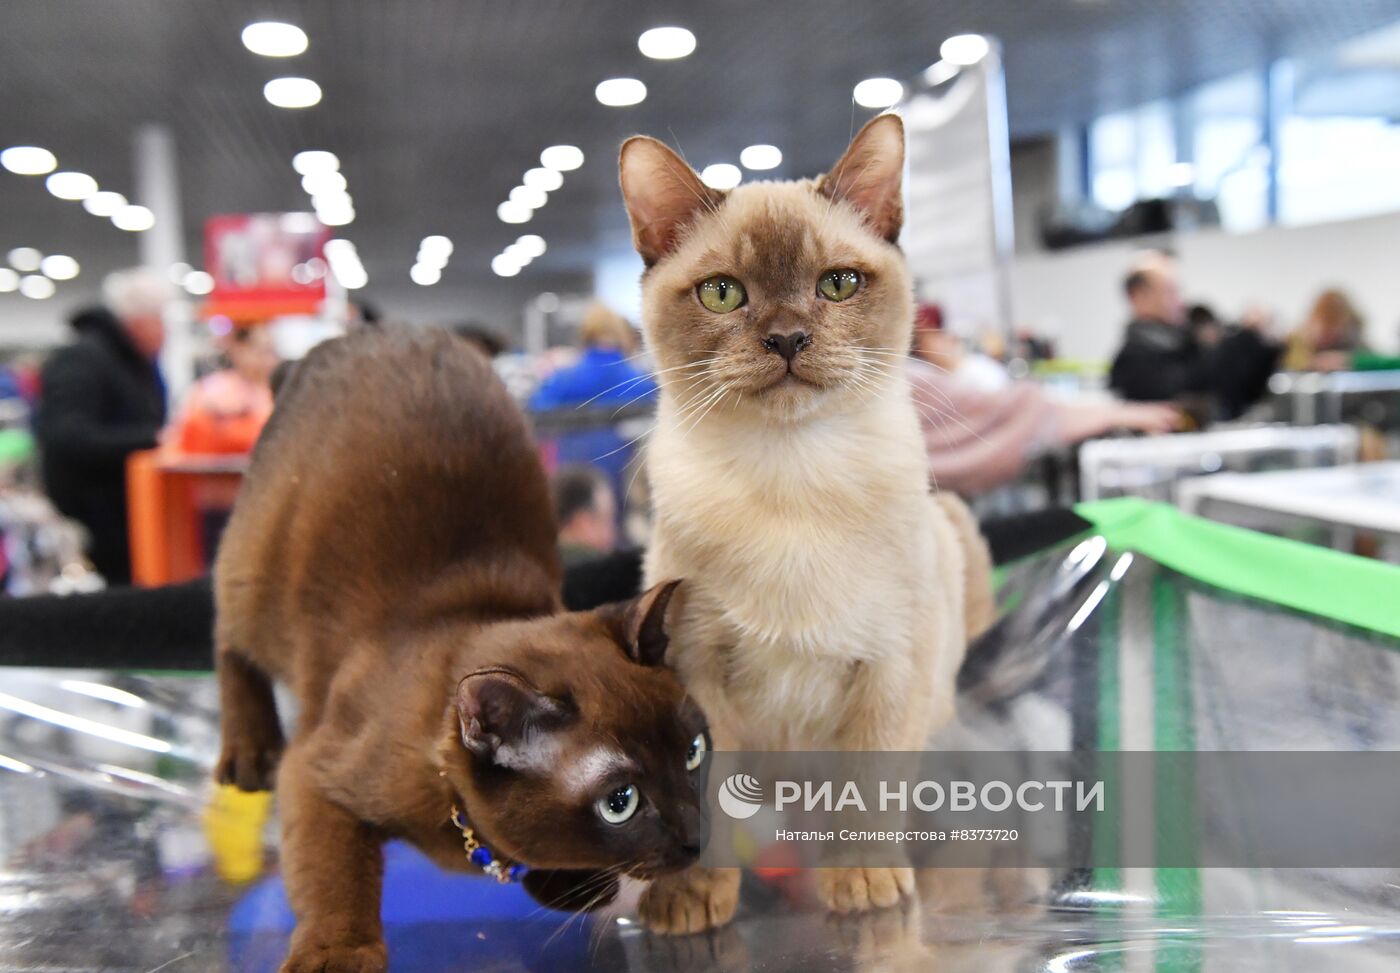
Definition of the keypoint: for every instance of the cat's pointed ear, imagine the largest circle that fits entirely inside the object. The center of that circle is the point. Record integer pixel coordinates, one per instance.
(662, 194)
(641, 625)
(505, 720)
(870, 174)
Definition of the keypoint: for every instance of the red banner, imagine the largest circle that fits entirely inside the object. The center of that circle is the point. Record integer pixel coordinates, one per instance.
(265, 265)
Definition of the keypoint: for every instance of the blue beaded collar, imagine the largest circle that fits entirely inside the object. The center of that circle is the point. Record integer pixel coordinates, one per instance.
(482, 857)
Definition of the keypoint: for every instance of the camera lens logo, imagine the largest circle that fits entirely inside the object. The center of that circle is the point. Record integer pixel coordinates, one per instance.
(740, 796)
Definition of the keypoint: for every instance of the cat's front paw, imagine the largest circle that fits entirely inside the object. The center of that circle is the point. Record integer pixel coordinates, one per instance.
(861, 889)
(249, 762)
(690, 901)
(365, 958)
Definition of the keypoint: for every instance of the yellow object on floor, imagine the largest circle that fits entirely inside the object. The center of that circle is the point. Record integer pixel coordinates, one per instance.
(233, 823)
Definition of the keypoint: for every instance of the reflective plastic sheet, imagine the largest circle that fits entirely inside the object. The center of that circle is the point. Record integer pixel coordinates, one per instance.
(119, 855)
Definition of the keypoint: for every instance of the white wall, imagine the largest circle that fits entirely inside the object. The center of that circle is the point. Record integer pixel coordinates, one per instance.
(1076, 295)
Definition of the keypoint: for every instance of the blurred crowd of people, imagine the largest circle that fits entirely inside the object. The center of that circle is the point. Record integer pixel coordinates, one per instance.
(102, 397)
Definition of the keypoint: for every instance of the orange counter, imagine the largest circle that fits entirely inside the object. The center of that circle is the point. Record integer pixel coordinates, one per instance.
(163, 516)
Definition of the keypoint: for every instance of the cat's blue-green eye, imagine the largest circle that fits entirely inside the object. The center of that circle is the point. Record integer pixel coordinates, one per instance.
(721, 294)
(618, 805)
(837, 285)
(695, 756)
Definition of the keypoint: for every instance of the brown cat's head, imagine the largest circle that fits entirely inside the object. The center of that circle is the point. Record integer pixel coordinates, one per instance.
(776, 299)
(583, 752)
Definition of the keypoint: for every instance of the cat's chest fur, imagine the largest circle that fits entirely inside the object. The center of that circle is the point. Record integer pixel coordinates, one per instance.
(806, 551)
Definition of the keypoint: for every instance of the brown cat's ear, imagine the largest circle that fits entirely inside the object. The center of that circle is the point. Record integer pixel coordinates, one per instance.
(505, 720)
(662, 194)
(640, 624)
(870, 173)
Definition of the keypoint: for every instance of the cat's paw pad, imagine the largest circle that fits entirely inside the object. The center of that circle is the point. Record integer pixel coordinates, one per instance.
(692, 901)
(371, 958)
(249, 763)
(861, 889)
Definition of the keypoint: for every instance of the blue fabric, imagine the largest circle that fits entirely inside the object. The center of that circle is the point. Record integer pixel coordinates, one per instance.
(603, 375)
(433, 920)
(9, 385)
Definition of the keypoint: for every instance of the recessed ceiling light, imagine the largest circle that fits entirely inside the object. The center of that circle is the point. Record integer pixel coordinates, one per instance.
(434, 250)
(964, 49)
(337, 216)
(198, 282)
(36, 287)
(315, 160)
(58, 266)
(28, 160)
(352, 278)
(512, 212)
(336, 209)
(292, 92)
(328, 182)
(504, 266)
(517, 253)
(546, 180)
(562, 158)
(761, 157)
(71, 185)
(9, 280)
(666, 43)
(105, 203)
(133, 218)
(425, 275)
(878, 92)
(25, 259)
(531, 244)
(328, 200)
(721, 175)
(533, 198)
(273, 39)
(620, 92)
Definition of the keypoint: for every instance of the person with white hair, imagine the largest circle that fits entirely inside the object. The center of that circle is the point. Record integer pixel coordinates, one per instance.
(101, 399)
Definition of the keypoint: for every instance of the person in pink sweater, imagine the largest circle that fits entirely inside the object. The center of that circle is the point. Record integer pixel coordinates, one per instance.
(979, 439)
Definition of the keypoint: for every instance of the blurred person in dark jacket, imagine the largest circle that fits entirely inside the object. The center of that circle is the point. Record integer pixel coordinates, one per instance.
(1161, 359)
(102, 398)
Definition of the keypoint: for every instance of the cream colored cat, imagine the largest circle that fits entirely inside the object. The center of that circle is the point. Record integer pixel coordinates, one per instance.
(828, 594)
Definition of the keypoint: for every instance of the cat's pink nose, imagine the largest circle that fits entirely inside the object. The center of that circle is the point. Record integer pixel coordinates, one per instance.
(787, 345)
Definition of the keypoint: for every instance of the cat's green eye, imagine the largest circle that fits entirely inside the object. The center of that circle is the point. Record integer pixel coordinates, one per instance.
(695, 756)
(837, 285)
(721, 294)
(617, 806)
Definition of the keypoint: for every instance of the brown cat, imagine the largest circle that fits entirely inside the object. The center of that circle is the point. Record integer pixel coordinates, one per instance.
(392, 557)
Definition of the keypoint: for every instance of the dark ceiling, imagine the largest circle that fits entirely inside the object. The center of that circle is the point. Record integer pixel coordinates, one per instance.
(436, 107)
